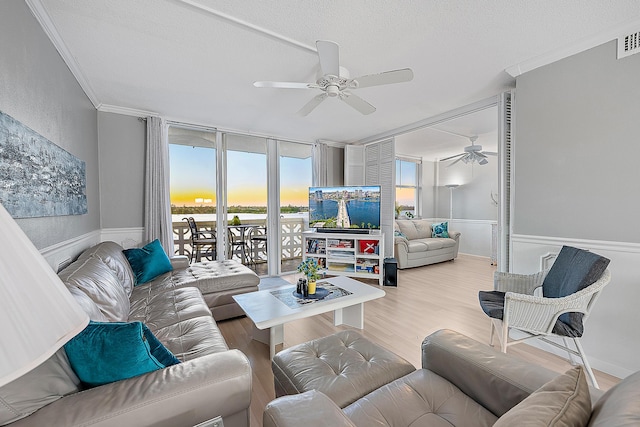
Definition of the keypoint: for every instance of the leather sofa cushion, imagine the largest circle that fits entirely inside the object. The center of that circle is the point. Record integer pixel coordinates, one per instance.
(430, 244)
(563, 401)
(44, 384)
(421, 398)
(192, 338)
(216, 276)
(101, 284)
(168, 308)
(111, 254)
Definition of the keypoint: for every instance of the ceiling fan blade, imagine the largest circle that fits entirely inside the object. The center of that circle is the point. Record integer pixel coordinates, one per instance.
(490, 153)
(311, 105)
(358, 103)
(452, 157)
(284, 85)
(455, 161)
(329, 54)
(386, 78)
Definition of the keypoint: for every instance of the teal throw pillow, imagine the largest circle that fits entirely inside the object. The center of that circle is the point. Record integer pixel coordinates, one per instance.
(105, 352)
(148, 262)
(440, 230)
(397, 233)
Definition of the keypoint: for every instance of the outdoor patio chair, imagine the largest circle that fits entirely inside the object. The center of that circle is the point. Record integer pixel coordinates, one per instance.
(201, 239)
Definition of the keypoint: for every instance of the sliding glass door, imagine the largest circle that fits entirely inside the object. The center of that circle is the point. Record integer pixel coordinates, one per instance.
(192, 159)
(246, 200)
(295, 172)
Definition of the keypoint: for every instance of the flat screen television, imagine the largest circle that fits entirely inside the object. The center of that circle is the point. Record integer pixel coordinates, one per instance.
(349, 209)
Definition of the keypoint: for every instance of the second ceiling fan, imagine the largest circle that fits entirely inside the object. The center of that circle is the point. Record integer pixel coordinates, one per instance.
(336, 82)
(472, 153)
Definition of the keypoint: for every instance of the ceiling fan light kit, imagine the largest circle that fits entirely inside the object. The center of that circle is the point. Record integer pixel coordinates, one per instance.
(335, 81)
(472, 153)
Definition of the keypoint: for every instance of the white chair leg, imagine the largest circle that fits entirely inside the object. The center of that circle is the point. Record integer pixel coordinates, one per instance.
(492, 331)
(505, 337)
(571, 358)
(587, 367)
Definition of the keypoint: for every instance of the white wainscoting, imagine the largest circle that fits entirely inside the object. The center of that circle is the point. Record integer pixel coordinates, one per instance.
(62, 254)
(612, 332)
(475, 237)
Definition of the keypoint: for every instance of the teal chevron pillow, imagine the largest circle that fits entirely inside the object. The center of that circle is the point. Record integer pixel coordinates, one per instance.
(148, 262)
(105, 352)
(440, 229)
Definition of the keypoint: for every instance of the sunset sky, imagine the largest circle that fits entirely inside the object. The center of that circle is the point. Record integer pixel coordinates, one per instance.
(193, 177)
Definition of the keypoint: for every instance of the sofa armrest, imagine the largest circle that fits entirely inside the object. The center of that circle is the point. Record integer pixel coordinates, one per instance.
(309, 409)
(455, 235)
(401, 241)
(181, 395)
(495, 380)
(179, 261)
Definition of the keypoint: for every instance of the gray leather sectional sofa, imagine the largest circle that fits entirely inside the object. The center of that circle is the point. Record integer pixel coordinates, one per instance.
(465, 383)
(211, 381)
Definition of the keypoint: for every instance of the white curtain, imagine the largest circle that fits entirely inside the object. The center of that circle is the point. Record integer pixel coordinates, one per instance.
(320, 154)
(157, 207)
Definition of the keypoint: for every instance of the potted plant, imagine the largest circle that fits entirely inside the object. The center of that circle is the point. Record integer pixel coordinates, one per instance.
(311, 269)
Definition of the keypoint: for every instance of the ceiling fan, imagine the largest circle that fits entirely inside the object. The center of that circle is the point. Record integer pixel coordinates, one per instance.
(472, 153)
(336, 82)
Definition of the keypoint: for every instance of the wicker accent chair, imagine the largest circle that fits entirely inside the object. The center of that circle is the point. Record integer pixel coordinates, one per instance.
(569, 290)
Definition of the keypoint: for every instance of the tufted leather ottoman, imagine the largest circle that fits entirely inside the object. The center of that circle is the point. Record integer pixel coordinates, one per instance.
(345, 366)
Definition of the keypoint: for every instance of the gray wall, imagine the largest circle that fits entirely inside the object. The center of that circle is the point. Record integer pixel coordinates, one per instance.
(577, 142)
(122, 159)
(37, 88)
(577, 147)
(472, 199)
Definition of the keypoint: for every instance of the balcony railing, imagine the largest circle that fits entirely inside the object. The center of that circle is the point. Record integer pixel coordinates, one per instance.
(290, 237)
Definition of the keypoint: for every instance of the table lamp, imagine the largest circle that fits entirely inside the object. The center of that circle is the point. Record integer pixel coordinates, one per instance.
(38, 315)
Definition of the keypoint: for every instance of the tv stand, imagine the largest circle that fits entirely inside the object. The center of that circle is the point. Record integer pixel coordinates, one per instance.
(346, 254)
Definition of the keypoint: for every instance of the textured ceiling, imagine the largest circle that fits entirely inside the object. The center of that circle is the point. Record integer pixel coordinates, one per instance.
(192, 63)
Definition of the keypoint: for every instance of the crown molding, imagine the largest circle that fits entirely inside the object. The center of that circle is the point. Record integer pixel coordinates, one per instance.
(126, 111)
(573, 48)
(42, 16)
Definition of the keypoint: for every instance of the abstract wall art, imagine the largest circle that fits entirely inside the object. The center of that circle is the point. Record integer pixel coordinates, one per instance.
(38, 178)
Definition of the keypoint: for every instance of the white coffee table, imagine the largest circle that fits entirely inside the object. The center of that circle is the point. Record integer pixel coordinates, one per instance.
(269, 314)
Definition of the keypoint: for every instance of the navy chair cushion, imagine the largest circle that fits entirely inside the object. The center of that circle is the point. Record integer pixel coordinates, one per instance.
(573, 270)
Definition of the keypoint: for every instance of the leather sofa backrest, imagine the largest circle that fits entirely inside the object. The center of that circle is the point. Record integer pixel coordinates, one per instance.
(111, 254)
(619, 405)
(101, 285)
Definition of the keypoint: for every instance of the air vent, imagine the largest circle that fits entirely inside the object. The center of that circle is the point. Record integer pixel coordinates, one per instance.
(629, 44)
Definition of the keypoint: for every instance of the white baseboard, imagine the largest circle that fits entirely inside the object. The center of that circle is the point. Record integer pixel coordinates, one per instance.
(612, 338)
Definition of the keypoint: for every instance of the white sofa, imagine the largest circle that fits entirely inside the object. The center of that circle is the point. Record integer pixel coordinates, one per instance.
(415, 247)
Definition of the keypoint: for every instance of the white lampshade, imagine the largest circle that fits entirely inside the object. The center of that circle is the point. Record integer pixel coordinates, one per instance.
(38, 315)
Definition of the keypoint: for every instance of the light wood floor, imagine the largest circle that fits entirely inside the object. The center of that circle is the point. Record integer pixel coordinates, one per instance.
(439, 296)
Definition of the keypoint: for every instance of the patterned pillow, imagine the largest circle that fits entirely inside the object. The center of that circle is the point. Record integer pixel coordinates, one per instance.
(440, 229)
(398, 233)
